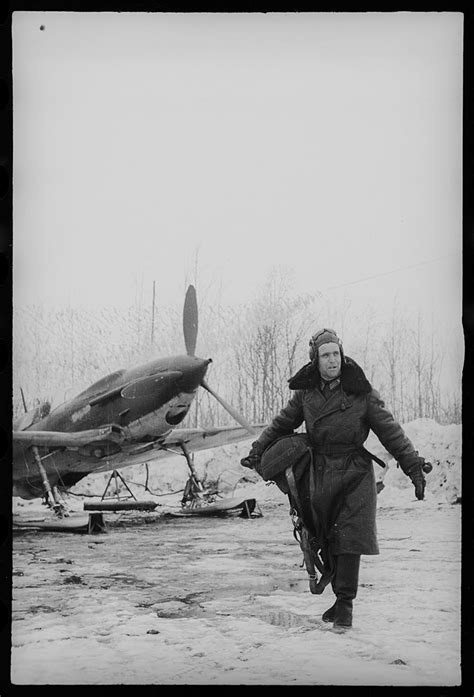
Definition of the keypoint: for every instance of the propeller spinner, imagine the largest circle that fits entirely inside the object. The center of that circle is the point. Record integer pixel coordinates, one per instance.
(190, 329)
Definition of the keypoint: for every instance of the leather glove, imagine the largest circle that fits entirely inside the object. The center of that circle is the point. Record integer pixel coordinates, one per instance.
(415, 472)
(253, 458)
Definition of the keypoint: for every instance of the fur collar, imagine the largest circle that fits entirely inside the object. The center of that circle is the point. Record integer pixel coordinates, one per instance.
(353, 379)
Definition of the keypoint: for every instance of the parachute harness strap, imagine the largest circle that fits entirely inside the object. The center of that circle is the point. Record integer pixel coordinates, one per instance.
(309, 545)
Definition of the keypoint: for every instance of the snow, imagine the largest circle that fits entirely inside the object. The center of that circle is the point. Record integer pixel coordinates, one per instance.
(224, 602)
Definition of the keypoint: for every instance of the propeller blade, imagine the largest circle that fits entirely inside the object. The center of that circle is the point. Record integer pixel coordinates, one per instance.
(235, 414)
(190, 321)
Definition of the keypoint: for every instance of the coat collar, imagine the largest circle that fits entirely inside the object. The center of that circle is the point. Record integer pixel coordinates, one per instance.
(353, 380)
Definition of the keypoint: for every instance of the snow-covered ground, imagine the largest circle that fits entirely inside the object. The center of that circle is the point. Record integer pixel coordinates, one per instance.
(167, 600)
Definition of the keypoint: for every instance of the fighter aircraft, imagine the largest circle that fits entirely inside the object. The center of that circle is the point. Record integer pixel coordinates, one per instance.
(128, 417)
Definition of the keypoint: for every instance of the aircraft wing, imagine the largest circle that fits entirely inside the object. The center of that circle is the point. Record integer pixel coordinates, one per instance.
(73, 439)
(204, 438)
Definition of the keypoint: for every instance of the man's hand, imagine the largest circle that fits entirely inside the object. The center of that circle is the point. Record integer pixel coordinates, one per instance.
(418, 478)
(251, 461)
(253, 458)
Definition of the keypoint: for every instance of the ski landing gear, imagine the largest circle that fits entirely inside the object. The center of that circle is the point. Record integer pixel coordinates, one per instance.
(197, 500)
(194, 495)
(52, 497)
(62, 519)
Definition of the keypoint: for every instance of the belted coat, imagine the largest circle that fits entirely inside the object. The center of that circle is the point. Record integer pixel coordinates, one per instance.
(338, 491)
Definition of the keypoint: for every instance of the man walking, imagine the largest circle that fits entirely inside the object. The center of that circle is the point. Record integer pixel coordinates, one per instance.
(336, 494)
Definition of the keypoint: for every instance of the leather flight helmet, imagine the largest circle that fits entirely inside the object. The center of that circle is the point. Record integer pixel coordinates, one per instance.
(324, 336)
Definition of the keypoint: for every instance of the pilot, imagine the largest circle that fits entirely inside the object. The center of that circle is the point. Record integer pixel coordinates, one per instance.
(336, 491)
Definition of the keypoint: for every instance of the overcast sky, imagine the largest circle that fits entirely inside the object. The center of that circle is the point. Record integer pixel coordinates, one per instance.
(327, 143)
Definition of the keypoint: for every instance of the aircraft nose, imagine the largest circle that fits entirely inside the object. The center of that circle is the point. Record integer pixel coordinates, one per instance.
(194, 373)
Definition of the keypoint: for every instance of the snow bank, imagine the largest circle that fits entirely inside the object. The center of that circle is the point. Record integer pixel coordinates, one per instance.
(437, 443)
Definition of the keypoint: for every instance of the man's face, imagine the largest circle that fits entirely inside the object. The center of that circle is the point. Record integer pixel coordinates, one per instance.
(329, 358)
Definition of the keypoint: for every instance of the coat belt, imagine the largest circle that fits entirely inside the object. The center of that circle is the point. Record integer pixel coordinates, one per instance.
(342, 449)
(334, 449)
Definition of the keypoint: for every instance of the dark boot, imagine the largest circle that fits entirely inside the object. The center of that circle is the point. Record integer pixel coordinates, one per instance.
(343, 614)
(346, 581)
(329, 615)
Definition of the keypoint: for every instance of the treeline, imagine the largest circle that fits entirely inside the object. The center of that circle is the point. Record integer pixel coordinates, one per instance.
(255, 348)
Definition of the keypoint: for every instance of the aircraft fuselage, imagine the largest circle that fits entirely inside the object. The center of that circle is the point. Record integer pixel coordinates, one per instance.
(146, 402)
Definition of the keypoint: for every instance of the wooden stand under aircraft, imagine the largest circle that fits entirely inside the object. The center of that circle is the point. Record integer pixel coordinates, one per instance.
(129, 417)
(117, 501)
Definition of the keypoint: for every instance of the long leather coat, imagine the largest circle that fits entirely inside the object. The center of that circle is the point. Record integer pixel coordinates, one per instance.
(338, 492)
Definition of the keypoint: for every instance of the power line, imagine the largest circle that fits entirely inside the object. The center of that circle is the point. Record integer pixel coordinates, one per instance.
(387, 273)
